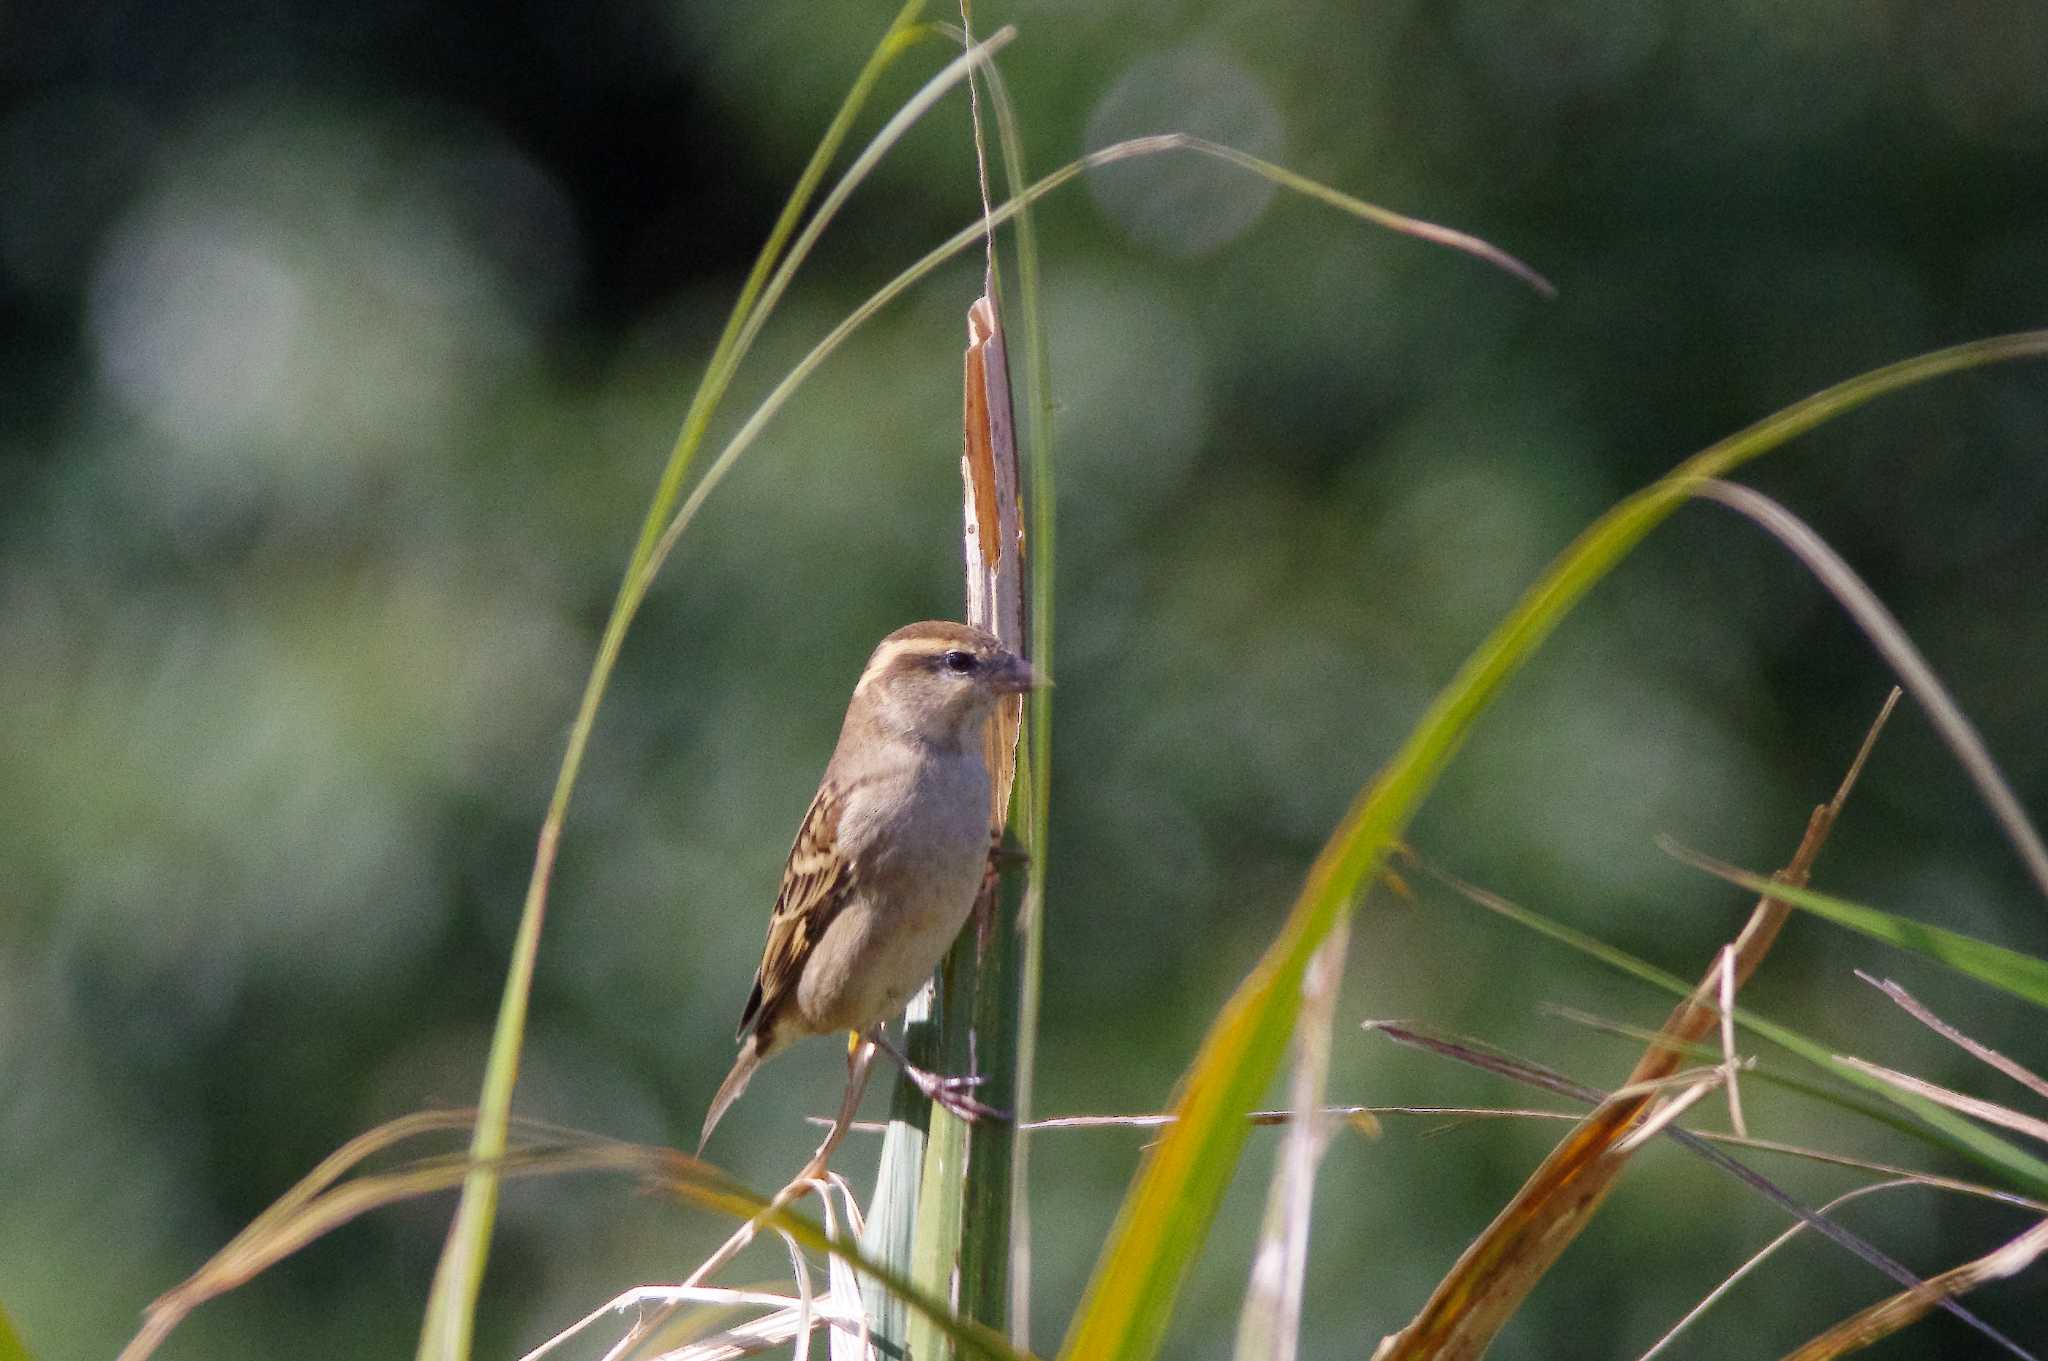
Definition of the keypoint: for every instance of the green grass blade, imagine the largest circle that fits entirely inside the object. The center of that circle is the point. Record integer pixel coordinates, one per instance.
(974, 233)
(891, 132)
(1392, 221)
(1885, 634)
(448, 1328)
(2024, 976)
(1167, 1213)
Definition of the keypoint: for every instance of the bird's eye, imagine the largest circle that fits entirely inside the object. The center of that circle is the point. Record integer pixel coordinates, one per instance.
(959, 663)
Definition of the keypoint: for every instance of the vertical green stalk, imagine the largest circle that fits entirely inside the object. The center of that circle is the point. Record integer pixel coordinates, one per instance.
(985, 1247)
(960, 1248)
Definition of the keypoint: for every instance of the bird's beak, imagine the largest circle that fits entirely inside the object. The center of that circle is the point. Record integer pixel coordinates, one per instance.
(1015, 676)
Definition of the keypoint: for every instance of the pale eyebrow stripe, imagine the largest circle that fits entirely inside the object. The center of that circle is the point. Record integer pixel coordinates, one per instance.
(887, 655)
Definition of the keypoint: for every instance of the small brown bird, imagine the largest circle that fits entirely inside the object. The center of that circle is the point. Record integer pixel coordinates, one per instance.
(889, 857)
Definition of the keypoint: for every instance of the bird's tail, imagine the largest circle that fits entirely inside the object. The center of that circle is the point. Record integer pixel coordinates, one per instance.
(730, 1089)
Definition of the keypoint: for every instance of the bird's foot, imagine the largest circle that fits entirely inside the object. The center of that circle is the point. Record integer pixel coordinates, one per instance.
(955, 1094)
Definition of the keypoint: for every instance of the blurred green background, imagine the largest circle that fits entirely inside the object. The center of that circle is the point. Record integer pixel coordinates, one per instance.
(340, 349)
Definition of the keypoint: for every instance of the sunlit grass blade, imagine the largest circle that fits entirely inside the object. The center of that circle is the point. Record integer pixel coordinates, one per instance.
(1405, 225)
(1269, 1324)
(691, 1321)
(673, 1173)
(325, 1200)
(12, 1348)
(275, 1237)
(954, 73)
(2023, 975)
(1167, 1213)
(1543, 1079)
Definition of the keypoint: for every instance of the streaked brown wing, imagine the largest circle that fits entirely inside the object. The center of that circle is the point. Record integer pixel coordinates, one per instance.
(814, 886)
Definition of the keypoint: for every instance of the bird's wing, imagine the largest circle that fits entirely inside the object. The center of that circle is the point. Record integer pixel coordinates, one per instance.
(815, 884)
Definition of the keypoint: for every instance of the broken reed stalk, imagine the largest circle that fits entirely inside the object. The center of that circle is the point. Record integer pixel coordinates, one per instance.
(1497, 1272)
(993, 520)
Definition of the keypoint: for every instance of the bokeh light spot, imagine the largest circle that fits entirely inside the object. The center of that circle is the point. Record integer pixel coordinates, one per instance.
(1178, 204)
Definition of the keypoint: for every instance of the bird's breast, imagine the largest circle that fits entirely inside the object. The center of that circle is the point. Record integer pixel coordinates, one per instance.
(926, 819)
(917, 833)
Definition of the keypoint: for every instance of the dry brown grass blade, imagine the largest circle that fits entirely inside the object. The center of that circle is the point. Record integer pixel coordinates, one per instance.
(262, 1241)
(1886, 1317)
(2018, 1072)
(1696, 1017)
(1360, 1119)
(1792, 1231)
(322, 1202)
(1990, 1112)
(1496, 1273)
(1700, 1145)
(811, 1177)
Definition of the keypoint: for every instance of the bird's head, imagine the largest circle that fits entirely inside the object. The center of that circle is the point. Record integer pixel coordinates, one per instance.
(938, 681)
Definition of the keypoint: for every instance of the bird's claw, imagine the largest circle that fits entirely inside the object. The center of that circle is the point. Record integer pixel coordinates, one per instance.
(954, 1093)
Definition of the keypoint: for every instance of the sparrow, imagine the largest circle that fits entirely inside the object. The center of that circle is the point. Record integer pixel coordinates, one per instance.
(890, 855)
